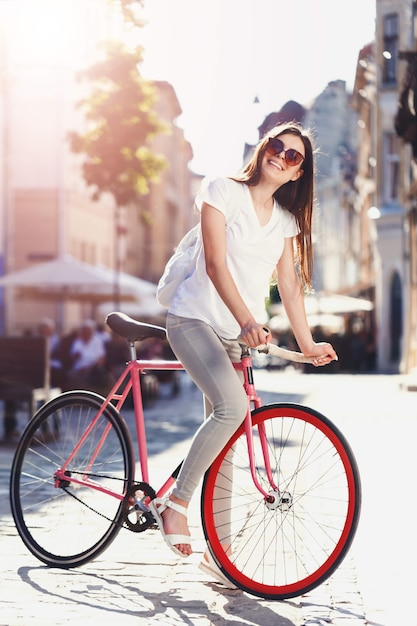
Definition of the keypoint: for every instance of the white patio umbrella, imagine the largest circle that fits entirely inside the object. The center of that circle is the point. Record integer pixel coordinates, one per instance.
(147, 308)
(67, 278)
(333, 303)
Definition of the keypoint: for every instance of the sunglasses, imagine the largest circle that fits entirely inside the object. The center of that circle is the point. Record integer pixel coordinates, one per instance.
(275, 147)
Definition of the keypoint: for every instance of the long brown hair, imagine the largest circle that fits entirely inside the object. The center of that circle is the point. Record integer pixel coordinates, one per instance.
(297, 196)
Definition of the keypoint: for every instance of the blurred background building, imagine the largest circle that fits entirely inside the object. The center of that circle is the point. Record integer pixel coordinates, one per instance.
(365, 229)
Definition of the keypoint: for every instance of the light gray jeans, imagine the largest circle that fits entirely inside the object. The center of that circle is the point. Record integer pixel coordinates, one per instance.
(208, 360)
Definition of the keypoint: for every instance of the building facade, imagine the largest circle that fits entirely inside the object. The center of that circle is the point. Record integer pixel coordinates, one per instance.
(46, 210)
(336, 228)
(385, 181)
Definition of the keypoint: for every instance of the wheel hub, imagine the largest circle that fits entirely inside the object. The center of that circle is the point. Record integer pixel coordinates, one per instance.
(279, 500)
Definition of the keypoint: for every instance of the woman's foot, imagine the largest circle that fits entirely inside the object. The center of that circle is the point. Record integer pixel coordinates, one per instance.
(175, 523)
(171, 516)
(210, 567)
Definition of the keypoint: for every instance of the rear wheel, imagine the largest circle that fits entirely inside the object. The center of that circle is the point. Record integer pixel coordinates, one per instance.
(64, 523)
(286, 547)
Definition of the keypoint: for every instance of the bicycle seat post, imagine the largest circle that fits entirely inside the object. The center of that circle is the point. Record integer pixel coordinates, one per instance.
(132, 350)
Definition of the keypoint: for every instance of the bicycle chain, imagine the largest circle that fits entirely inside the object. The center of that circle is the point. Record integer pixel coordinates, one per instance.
(123, 524)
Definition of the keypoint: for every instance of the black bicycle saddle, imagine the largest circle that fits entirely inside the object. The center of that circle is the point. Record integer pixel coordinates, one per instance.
(132, 330)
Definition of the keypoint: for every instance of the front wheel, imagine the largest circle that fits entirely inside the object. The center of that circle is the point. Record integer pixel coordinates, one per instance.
(283, 546)
(66, 523)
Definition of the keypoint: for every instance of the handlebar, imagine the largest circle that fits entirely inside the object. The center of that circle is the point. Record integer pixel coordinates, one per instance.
(133, 331)
(284, 353)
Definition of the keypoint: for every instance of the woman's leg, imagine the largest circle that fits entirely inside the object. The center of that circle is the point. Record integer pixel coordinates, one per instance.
(208, 361)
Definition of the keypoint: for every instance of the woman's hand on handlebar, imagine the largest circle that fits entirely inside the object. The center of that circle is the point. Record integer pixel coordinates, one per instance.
(254, 335)
(323, 354)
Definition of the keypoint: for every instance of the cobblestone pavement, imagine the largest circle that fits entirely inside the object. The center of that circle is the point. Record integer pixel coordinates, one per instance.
(138, 581)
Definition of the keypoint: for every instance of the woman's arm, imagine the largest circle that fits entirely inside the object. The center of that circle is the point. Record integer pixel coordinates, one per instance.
(293, 300)
(213, 227)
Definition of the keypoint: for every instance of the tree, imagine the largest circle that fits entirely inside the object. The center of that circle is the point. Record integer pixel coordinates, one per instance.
(121, 119)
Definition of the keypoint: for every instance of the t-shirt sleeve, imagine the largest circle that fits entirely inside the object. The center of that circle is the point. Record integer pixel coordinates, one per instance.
(213, 192)
(290, 226)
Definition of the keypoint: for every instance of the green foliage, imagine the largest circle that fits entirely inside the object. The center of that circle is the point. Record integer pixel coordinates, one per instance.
(274, 297)
(121, 121)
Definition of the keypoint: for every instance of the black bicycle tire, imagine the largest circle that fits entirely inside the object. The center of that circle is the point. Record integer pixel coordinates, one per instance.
(66, 400)
(353, 489)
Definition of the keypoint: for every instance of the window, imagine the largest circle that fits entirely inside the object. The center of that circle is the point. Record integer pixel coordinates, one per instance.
(396, 315)
(391, 167)
(390, 49)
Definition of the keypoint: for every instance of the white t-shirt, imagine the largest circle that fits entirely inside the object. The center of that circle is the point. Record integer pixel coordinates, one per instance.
(252, 254)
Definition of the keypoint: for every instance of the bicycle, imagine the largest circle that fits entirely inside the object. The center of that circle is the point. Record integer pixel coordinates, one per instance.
(284, 495)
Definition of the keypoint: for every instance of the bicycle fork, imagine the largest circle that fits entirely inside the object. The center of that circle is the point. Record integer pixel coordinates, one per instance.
(273, 496)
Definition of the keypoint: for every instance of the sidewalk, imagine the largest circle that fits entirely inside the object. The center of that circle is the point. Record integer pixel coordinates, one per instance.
(139, 581)
(136, 581)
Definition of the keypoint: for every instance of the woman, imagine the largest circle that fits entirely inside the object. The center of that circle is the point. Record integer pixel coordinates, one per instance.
(224, 298)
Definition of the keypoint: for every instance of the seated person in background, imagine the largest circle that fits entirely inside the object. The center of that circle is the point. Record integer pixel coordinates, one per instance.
(88, 360)
(104, 335)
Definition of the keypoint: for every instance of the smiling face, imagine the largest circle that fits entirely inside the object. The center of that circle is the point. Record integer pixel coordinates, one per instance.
(283, 159)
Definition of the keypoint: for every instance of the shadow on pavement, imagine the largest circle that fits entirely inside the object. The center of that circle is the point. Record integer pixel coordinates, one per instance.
(173, 603)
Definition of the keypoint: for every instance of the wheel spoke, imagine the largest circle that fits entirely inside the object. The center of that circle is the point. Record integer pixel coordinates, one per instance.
(65, 521)
(283, 548)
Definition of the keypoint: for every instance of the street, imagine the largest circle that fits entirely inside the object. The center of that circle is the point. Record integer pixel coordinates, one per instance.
(139, 581)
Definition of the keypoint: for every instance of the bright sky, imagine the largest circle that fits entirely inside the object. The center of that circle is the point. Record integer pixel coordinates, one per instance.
(221, 54)
(217, 54)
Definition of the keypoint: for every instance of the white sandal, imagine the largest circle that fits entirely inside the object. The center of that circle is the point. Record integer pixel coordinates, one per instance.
(157, 507)
(210, 567)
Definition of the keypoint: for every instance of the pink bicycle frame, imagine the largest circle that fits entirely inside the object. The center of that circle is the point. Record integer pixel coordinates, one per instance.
(130, 380)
